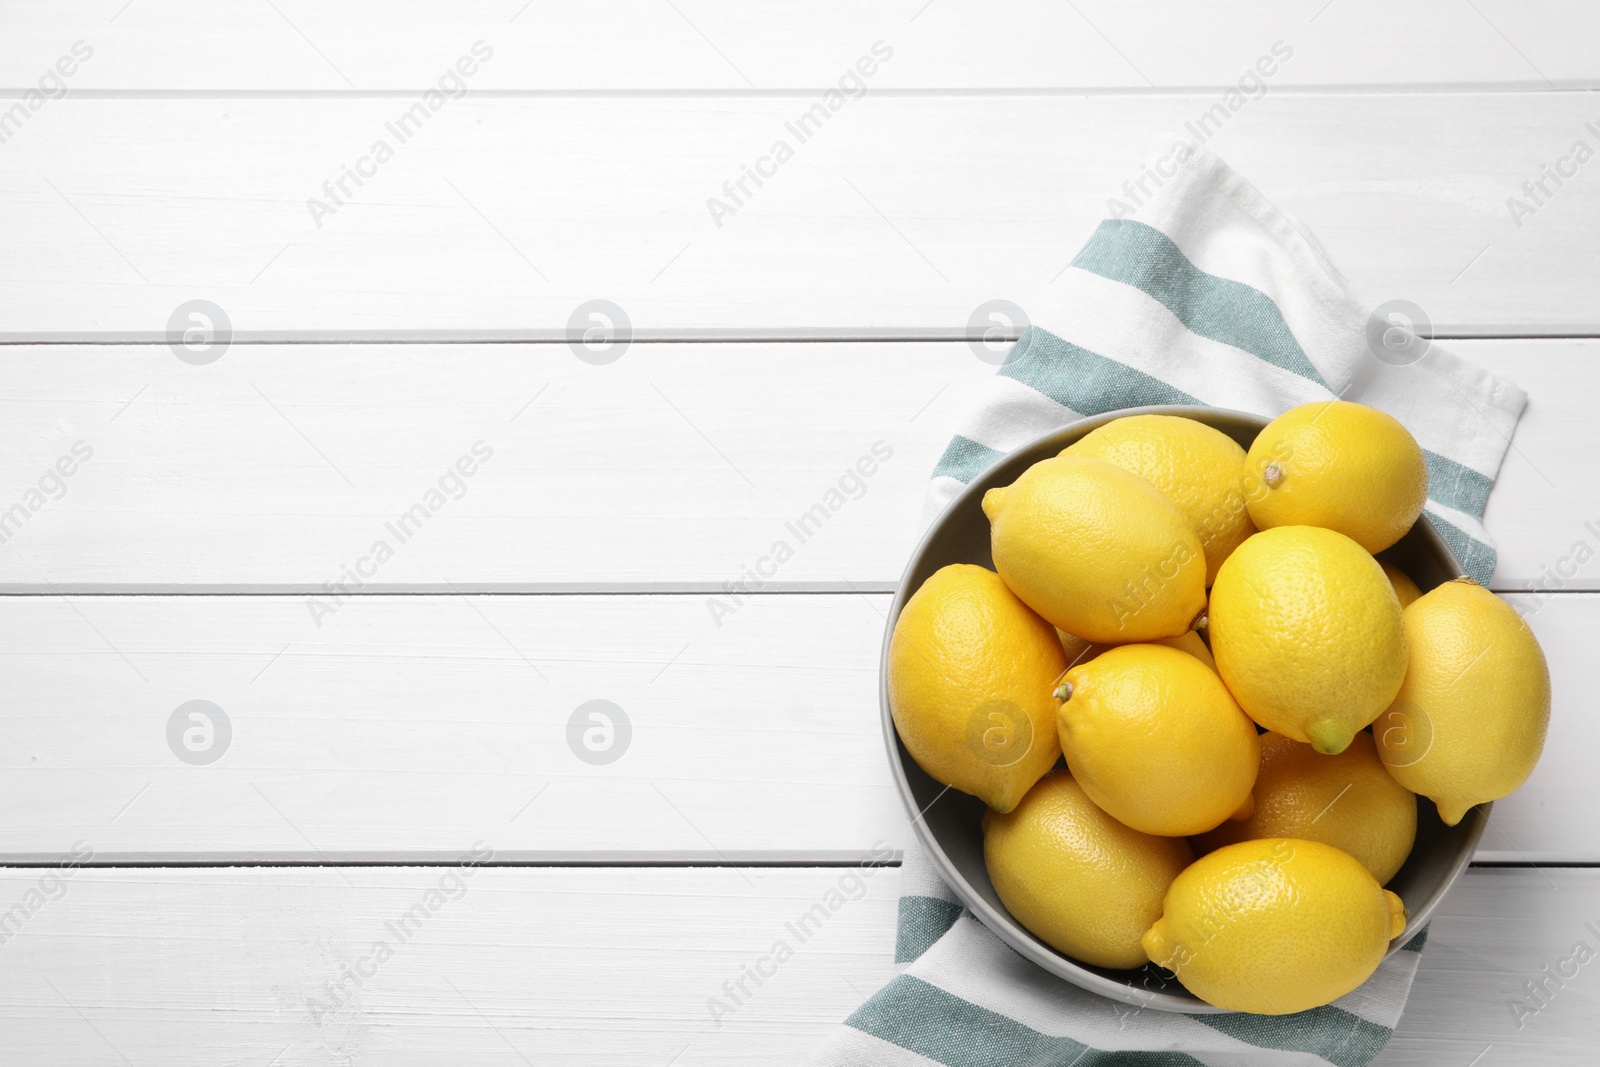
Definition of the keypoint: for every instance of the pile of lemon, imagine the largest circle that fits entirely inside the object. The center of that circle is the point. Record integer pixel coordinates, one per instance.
(1285, 750)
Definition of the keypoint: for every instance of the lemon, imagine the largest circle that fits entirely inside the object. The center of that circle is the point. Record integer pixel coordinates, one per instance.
(1469, 723)
(1077, 649)
(1274, 926)
(1344, 466)
(1191, 643)
(1404, 588)
(1080, 651)
(1200, 469)
(1155, 739)
(1083, 883)
(1306, 631)
(970, 674)
(1348, 801)
(1097, 550)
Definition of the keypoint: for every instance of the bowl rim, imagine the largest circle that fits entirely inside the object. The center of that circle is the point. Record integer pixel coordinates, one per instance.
(999, 921)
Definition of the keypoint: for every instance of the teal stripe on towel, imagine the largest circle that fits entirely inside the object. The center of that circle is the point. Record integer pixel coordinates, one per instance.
(1338, 1036)
(923, 920)
(925, 1019)
(1456, 485)
(1221, 309)
(964, 459)
(1084, 381)
(1416, 943)
(1476, 558)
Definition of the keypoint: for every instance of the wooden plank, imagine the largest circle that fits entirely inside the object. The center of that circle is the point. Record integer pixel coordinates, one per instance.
(589, 967)
(676, 467)
(280, 466)
(293, 45)
(898, 217)
(616, 966)
(1497, 931)
(404, 723)
(1543, 513)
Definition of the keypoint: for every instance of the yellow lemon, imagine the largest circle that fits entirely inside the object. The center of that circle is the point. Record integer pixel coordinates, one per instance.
(970, 674)
(1274, 926)
(1155, 739)
(1200, 469)
(1097, 550)
(1083, 883)
(1306, 632)
(1077, 649)
(1348, 801)
(1340, 465)
(1191, 643)
(1404, 588)
(1469, 723)
(1080, 651)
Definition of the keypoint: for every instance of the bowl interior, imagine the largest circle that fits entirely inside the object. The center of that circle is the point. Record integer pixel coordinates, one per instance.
(947, 821)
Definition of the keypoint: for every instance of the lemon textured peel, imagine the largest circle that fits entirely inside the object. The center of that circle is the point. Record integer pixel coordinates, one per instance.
(1469, 723)
(1343, 466)
(1153, 737)
(1274, 926)
(1306, 632)
(1097, 550)
(1349, 801)
(970, 673)
(1405, 590)
(1199, 468)
(1080, 651)
(1079, 880)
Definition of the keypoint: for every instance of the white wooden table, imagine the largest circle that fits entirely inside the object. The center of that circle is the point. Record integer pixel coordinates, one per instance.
(416, 321)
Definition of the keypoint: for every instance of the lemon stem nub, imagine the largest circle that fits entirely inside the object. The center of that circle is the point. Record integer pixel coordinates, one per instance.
(1329, 738)
(1063, 692)
(1201, 621)
(1272, 475)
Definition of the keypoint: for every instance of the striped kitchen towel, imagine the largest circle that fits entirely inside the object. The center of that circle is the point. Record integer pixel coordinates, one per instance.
(1204, 295)
(1210, 295)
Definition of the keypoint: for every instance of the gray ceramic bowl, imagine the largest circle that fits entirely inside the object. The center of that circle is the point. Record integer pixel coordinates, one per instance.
(947, 821)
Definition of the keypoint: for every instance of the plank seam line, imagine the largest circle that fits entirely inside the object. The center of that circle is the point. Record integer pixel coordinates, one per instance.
(667, 337)
(828, 589)
(613, 863)
(226, 864)
(1564, 87)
